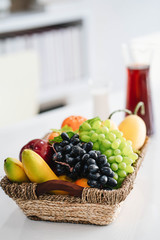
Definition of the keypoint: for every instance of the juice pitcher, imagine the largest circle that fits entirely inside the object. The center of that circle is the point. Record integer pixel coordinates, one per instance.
(137, 60)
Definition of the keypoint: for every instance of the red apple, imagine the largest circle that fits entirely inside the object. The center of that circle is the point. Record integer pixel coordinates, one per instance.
(42, 148)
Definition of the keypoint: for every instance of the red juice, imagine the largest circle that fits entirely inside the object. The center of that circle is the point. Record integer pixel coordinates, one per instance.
(138, 89)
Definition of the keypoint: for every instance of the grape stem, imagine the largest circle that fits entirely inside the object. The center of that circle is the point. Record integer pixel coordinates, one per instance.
(65, 164)
(62, 163)
(54, 149)
(120, 110)
(138, 106)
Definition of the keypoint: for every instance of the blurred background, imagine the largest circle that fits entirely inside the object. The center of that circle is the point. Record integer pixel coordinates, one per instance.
(51, 49)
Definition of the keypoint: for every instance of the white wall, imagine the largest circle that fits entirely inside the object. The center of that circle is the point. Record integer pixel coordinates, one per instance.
(113, 23)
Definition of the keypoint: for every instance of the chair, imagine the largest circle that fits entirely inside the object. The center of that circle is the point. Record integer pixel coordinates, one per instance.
(18, 87)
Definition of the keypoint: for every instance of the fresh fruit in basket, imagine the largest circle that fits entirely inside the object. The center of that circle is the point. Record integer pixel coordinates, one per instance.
(14, 170)
(78, 160)
(74, 122)
(41, 147)
(92, 153)
(103, 205)
(112, 144)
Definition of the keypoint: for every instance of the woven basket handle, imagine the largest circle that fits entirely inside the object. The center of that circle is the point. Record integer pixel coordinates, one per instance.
(71, 188)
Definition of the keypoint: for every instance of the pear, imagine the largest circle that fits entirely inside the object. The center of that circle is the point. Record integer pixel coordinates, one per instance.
(134, 129)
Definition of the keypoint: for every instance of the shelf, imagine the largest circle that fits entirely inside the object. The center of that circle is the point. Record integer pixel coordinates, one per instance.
(58, 14)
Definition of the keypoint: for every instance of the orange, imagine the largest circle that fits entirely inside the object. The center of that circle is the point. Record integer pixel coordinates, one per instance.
(82, 182)
(52, 135)
(73, 121)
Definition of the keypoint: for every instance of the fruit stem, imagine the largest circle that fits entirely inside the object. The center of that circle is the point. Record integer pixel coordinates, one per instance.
(120, 110)
(138, 106)
(54, 149)
(65, 164)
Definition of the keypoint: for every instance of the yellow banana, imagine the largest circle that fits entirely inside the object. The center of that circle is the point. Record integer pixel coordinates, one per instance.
(14, 170)
(37, 169)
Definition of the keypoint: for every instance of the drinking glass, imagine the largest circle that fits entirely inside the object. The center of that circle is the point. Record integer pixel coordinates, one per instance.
(99, 88)
(138, 60)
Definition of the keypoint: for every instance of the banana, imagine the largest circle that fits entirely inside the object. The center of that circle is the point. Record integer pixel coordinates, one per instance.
(37, 169)
(14, 170)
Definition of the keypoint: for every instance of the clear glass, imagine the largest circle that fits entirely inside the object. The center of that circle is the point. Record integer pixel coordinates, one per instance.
(99, 89)
(138, 58)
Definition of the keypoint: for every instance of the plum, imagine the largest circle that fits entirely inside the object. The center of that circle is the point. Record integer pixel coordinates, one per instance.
(41, 147)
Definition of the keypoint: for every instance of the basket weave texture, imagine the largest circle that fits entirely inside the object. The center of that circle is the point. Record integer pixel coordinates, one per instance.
(95, 206)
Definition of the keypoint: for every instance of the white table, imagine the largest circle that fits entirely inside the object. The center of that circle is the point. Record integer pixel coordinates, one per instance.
(140, 214)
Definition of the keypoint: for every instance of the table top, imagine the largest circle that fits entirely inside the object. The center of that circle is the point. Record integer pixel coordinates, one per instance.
(140, 213)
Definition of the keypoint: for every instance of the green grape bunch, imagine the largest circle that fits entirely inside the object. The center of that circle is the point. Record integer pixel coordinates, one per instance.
(110, 142)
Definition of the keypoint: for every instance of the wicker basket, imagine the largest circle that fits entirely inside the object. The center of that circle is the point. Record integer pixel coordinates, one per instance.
(94, 206)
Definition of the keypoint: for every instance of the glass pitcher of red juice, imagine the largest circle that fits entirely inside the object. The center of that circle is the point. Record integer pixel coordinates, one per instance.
(138, 81)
